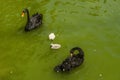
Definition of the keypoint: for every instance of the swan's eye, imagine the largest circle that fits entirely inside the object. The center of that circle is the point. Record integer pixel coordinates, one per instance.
(23, 14)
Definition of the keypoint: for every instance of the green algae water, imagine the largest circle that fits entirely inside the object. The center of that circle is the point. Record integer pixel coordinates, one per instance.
(93, 25)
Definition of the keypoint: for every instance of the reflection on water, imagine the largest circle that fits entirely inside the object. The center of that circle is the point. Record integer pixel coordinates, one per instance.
(92, 25)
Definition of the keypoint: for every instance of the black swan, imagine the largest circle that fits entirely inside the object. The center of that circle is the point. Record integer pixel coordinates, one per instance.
(34, 21)
(71, 62)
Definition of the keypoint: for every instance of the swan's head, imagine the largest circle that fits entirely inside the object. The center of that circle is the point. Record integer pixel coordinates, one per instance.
(23, 14)
(24, 11)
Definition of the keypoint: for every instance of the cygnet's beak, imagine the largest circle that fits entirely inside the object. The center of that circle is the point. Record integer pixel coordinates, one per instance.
(23, 14)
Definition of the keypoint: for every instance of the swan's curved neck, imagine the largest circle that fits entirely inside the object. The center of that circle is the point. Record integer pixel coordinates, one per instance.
(78, 49)
(28, 16)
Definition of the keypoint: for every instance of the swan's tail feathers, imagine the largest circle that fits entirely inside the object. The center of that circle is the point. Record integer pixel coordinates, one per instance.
(40, 18)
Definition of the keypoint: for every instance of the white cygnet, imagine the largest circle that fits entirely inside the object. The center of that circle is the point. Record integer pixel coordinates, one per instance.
(55, 46)
(51, 36)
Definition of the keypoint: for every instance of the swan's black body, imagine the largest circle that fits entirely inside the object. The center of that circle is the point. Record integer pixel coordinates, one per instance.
(71, 62)
(34, 21)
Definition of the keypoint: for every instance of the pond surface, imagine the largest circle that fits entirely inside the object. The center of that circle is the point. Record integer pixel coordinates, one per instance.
(93, 25)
